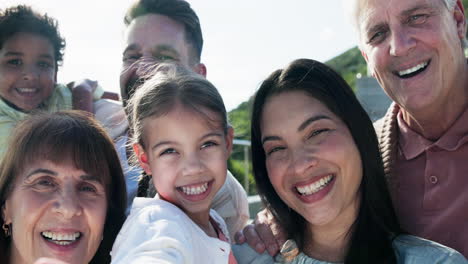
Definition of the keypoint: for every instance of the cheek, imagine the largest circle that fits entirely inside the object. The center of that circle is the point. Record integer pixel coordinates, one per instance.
(275, 174)
(47, 80)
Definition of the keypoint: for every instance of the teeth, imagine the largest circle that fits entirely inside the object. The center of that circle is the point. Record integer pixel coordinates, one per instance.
(195, 190)
(314, 187)
(26, 90)
(61, 237)
(413, 69)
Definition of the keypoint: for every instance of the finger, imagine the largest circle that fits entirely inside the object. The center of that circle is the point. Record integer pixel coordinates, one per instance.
(239, 237)
(268, 239)
(253, 239)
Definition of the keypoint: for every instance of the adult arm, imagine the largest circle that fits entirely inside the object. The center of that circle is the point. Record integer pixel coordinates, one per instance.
(231, 204)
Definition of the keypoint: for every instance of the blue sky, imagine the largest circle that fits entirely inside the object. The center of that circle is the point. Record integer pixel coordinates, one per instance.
(245, 40)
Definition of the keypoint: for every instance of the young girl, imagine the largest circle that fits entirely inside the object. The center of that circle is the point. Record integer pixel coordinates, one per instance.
(31, 49)
(181, 138)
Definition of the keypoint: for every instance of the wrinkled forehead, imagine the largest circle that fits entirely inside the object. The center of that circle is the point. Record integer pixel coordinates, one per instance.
(368, 13)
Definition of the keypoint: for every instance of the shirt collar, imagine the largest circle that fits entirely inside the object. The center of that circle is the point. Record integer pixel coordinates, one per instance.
(412, 144)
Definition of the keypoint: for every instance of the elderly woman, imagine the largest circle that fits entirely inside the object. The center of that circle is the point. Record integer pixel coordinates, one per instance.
(318, 170)
(62, 191)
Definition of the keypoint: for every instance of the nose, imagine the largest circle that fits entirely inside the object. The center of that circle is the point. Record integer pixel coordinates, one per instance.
(145, 66)
(303, 160)
(67, 204)
(401, 42)
(193, 165)
(30, 73)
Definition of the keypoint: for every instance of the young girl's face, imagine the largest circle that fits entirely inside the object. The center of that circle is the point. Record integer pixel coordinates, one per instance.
(186, 154)
(27, 70)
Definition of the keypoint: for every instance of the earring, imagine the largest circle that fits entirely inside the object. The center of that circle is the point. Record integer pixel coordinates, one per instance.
(7, 229)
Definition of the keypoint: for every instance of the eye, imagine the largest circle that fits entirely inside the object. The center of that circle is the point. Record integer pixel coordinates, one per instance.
(417, 19)
(164, 57)
(131, 57)
(377, 37)
(44, 184)
(168, 151)
(318, 132)
(86, 187)
(44, 65)
(15, 62)
(271, 151)
(209, 144)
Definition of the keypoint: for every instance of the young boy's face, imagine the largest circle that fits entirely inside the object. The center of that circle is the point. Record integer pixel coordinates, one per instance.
(27, 70)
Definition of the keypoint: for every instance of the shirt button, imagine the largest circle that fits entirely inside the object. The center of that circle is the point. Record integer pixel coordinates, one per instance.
(433, 179)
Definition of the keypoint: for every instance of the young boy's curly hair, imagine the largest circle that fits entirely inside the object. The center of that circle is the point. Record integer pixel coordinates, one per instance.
(22, 18)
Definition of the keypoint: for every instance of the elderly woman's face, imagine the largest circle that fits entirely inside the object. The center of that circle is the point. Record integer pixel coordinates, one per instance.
(56, 211)
(311, 158)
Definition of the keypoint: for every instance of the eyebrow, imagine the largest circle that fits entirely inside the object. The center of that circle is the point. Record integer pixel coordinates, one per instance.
(41, 170)
(16, 53)
(311, 120)
(415, 8)
(304, 124)
(131, 47)
(212, 134)
(85, 177)
(404, 13)
(164, 47)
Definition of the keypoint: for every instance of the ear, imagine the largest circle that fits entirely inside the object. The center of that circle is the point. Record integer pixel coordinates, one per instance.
(364, 55)
(459, 15)
(200, 68)
(229, 140)
(142, 158)
(6, 215)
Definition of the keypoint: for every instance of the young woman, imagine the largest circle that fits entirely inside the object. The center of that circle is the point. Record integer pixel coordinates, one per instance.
(318, 170)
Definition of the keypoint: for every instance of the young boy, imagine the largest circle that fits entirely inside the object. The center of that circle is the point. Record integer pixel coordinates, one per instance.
(31, 49)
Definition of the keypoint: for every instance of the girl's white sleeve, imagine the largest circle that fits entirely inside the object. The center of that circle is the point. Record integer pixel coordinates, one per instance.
(160, 241)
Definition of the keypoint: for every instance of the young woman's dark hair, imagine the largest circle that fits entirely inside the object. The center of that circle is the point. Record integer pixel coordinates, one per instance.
(60, 137)
(23, 19)
(376, 225)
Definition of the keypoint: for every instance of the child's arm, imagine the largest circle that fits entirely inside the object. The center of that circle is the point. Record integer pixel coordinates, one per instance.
(84, 92)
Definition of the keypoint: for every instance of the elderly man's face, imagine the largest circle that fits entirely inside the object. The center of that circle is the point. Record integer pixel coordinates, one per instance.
(413, 48)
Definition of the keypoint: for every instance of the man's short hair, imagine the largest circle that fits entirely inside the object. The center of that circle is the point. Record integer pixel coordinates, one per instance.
(178, 10)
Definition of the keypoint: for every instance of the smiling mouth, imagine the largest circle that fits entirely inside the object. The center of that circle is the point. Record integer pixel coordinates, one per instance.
(195, 189)
(26, 90)
(413, 71)
(315, 186)
(62, 239)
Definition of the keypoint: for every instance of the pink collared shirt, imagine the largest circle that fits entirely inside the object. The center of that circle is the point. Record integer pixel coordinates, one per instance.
(431, 184)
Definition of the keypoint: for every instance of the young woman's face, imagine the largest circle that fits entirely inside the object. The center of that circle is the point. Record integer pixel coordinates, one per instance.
(56, 211)
(27, 70)
(311, 158)
(187, 158)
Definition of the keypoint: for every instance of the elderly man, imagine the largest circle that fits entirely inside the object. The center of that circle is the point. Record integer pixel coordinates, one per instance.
(415, 49)
(168, 30)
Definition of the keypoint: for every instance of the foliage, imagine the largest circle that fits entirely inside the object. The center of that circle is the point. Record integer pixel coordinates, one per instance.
(348, 65)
